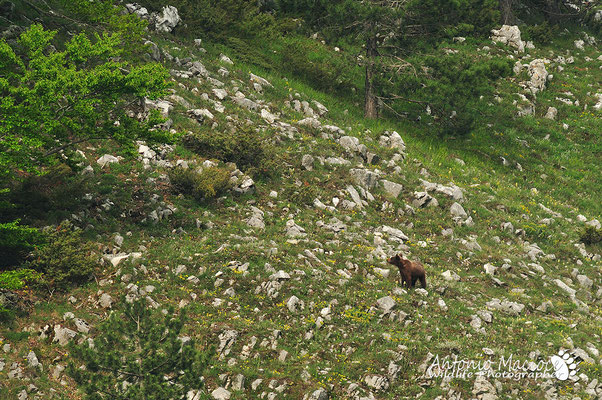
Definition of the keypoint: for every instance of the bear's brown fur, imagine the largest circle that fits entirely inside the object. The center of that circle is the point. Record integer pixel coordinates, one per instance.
(409, 271)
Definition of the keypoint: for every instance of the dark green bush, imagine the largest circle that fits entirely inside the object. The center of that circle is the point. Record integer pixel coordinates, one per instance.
(540, 33)
(447, 18)
(220, 18)
(317, 66)
(15, 241)
(591, 235)
(64, 259)
(245, 148)
(10, 281)
(56, 193)
(451, 86)
(303, 195)
(146, 349)
(203, 185)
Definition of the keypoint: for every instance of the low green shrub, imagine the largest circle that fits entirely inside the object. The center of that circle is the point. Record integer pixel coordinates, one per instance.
(245, 148)
(202, 185)
(540, 33)
(15, 241)
(317, 66)
(147, 349)
(303, 195)
(11, 301)
(64, 259)
(590, 235)
(56, 194)
(451, 86)
(18, 279)
(220, 19)
(536, 231)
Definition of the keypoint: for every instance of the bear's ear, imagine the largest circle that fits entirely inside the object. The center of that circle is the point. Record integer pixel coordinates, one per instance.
(398, 257)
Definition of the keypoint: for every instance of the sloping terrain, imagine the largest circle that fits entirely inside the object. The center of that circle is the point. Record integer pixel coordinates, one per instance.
(286, 272)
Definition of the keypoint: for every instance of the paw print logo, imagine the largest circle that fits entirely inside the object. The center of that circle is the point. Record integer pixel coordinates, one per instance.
(565, 365)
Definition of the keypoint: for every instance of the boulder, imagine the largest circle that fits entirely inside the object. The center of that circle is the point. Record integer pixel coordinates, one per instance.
(539, 76)
(293, 230)
(509, 35)
(423, 199)
(386, 304)
(457, 211)
(377, 382)
(167, 19)
(220, 394)
(107, 159)
(364, 177)
(392, 188)
(551, 114)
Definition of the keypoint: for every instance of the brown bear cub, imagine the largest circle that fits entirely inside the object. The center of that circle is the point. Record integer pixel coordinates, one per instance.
(409, 271)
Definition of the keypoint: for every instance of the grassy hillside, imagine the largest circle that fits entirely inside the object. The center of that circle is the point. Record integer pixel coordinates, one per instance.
(528, 184)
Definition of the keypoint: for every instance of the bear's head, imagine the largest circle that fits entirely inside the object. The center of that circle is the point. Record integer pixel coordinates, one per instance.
(396, 260)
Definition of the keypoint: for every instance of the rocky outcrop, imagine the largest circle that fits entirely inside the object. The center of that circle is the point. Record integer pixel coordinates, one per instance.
(509, 35)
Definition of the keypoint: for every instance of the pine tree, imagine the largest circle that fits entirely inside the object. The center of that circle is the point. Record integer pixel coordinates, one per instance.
(139, 355)
(375, 23)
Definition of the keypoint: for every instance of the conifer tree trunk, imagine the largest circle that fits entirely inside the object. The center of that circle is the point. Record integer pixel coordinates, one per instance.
(506, 9)
(370, 103)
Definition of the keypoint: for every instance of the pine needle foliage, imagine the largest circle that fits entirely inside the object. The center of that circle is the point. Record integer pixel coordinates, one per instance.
(139, 354)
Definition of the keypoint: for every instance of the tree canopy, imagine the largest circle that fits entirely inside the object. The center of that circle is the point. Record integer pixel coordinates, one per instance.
(53, 99)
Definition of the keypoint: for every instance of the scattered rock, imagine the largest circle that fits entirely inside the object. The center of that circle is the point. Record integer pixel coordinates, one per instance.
(256, 218)
(450, 276)
(32, 360)
(392, 188)
(106, 301)
(319, 394)
(551, 114)
(364, 178)
(509, 35)
(377, 382)
(63, 335)
(294, 304)
(220, 394)
(293, 230)
(509, 307)
(107, 159)
(489, 269)
(457, 211)
(307, 162)
(423, 199)
(484, 390)
(386, 304)
(539, 76)
(451, 191)
(570, 291)
(167, 20)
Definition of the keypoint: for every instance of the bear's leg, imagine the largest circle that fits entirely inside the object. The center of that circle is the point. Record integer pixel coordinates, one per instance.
(408, 279)
(402, 277)
(423, 281)
(414, 279)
